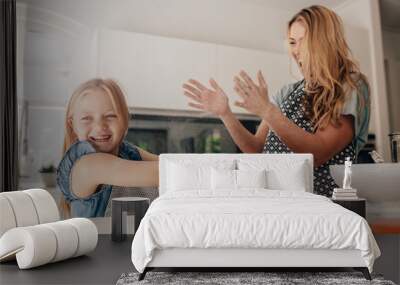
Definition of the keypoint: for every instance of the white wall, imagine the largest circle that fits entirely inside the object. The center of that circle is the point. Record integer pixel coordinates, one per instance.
(55, 53)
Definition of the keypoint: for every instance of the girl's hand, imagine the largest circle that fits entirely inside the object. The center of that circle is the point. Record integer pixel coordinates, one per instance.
(255, 97)
(214, 101)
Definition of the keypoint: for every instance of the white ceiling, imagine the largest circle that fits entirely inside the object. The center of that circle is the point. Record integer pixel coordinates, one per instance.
(119, 10)
(390, 9)
(239, 23)
(259, 24)
(293, 6)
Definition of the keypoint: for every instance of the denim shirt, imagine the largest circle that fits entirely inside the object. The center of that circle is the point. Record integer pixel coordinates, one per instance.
(95, 205)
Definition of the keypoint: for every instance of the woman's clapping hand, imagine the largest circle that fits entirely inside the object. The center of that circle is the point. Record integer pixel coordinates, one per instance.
(212, 100)
(255, 97)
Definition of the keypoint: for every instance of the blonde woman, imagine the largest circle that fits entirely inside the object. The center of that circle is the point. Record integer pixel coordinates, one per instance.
(95, 154)
(326, 113)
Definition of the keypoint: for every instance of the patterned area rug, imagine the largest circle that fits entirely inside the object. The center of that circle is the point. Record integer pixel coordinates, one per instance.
(225, 278)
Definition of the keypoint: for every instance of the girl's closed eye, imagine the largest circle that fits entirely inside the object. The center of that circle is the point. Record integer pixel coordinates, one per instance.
(86, 118)
(111, 116)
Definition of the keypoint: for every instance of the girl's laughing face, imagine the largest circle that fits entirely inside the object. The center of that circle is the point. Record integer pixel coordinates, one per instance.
(95, 120)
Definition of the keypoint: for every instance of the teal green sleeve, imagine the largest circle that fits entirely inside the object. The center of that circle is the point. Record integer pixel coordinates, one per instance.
(278, 98)
(358, 105)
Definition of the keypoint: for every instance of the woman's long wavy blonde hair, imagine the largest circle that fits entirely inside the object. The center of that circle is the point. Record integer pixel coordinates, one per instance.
(329, 70)
(114, 91)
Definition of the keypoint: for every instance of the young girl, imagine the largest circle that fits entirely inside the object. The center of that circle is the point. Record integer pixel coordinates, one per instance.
(326, 113)
(95, 153)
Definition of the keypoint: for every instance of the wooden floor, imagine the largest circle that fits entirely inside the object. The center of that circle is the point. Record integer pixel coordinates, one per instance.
(385, 226)
(102, 266)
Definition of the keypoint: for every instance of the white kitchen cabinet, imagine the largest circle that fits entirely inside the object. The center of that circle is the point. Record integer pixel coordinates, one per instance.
(175, 61)
(231, 60)
(152, 69)
(125, 57)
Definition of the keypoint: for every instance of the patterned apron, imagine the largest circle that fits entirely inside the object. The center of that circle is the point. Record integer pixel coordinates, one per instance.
(292, 107)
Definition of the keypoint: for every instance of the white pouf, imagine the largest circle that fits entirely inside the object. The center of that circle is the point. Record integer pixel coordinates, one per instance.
(45, 206)
(31, 233)
(7, 216)
(40, 244)
(23, 208)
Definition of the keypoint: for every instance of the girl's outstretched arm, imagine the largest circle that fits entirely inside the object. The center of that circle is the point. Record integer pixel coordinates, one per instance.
(147, 156)
(103, 168)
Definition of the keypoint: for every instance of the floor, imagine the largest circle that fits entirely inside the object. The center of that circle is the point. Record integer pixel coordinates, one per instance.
(102, 266)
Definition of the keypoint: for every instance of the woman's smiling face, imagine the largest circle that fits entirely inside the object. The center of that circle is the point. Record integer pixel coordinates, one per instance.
(94, 119)
(297, 34)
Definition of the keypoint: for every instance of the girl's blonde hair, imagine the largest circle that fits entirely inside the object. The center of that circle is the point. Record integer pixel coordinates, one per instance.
(329, 70)
(114, 91)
